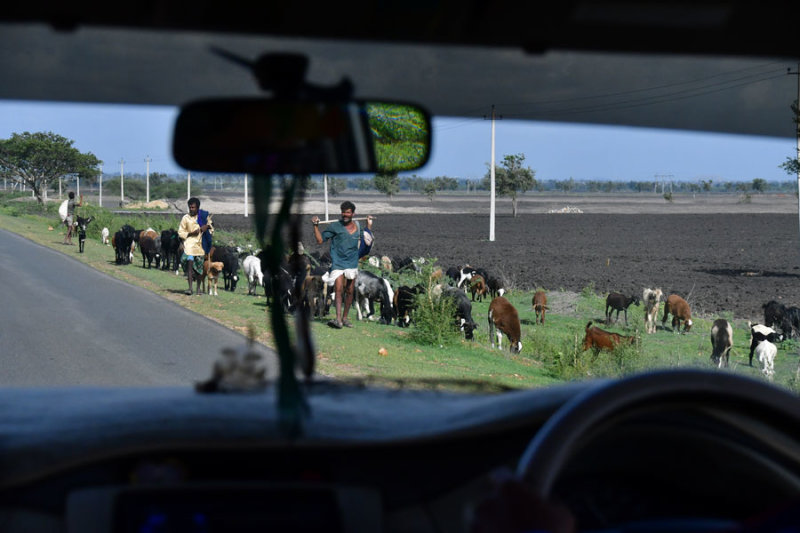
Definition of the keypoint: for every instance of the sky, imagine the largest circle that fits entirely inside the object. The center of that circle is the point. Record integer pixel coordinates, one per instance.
(461, 147)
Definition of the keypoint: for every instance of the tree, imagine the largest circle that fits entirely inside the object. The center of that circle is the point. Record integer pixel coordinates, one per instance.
(792, 166)
(759, 184)
(429, 190)
(40, 159)
(512, 178)
(388, 184)
(336, 185)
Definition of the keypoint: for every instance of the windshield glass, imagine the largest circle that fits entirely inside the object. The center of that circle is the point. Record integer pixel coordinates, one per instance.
(601, 245)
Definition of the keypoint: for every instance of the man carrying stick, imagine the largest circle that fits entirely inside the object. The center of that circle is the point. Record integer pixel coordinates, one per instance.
(348, 244)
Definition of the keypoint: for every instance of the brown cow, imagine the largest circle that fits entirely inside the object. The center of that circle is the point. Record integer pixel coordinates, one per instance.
(600, 339)
(680, 311)
(539, 304)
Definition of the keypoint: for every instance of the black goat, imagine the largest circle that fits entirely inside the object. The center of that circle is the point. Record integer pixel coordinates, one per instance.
(619, 302)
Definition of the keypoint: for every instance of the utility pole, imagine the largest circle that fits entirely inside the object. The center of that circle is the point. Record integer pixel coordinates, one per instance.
(246, 200)
(100, 203)
(325, 189)
(189, 185)
(121, 181)
(663, 183)
(797, 132)
(492, 182)
(147, 179)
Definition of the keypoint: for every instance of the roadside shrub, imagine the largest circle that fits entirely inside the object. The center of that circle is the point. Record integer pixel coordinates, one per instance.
(434, 322)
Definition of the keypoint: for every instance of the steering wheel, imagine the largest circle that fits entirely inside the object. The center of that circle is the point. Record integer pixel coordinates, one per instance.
(598, 408)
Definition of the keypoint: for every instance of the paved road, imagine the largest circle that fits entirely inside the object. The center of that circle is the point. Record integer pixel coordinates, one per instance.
(63, 323)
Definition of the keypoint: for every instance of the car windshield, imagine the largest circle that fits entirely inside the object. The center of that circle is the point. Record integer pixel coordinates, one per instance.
(538, 246)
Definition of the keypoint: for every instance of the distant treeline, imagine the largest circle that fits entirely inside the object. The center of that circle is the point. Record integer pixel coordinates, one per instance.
(176, 185)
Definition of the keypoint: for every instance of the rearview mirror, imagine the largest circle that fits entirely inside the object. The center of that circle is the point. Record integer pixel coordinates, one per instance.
(301, 137)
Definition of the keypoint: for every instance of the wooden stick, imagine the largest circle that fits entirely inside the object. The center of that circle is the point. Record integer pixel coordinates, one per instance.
(337, 220)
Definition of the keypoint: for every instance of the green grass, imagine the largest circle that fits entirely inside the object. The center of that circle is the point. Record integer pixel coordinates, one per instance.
(551, 353)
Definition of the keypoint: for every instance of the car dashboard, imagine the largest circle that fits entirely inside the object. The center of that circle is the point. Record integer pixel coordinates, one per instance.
(369, 460)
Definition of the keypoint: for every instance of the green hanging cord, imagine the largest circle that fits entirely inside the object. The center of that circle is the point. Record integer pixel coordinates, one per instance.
(292, 405)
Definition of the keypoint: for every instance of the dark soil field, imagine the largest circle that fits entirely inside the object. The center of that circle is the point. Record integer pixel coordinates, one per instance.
(721, 263)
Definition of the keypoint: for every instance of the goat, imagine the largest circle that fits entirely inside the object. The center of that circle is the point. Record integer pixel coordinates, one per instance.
(463, 312)
(773, 313)
(405, 302)
(760, 333)
(539, 304)
(255, 276)
(651, 299)
(616, 301)
(503, 318)
(369, 288)
(600, 339)
(496, 286)
(104, 236)
(477, 285)
(766, 352)
(680, 311)
(721, 342)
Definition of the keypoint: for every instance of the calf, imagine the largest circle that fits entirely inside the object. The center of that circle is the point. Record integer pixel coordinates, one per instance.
(759, 333)
(539, 304)
(504, 319)
(600, 339)
(651, 299)
(82, 223)
(369, 288)
(721, 342)
(463, 311)
(616, 301)
(680, 310)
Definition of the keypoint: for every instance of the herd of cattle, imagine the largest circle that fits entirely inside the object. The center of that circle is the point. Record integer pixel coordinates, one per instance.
(299, 284)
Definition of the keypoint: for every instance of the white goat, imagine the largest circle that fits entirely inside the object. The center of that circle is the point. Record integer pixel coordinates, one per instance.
(651, 299)
(252, 269)
(766, 352)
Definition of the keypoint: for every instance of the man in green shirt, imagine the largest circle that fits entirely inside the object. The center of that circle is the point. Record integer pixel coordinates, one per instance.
(346, 238)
